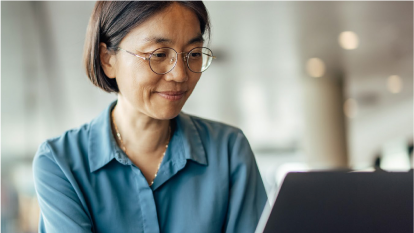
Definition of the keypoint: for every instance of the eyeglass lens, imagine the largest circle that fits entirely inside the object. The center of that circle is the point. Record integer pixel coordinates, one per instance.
(163, 60)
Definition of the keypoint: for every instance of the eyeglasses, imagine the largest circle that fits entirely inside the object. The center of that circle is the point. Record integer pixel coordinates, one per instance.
(163, 60)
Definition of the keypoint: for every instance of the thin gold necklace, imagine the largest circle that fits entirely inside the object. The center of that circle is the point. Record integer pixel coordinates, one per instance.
(118, 135)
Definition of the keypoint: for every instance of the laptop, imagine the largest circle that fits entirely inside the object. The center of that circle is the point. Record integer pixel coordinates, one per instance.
(339, 201)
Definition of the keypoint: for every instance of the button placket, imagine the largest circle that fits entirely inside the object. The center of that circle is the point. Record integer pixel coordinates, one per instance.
(146, 202)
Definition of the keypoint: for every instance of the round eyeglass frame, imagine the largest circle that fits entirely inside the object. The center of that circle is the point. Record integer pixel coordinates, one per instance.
(176, 60)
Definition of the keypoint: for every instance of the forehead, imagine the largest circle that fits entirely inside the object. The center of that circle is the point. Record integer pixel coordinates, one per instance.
(175, 25)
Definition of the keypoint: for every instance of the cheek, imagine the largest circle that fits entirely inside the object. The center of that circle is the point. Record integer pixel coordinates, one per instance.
(193, 80)
(136, 80)
(143, 88)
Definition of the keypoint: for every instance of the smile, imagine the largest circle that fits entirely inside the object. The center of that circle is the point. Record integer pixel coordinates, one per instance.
(172, 95)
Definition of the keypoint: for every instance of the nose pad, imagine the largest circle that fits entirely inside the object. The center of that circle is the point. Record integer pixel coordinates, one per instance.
(184, 55)
(179, 73)
(172, 60)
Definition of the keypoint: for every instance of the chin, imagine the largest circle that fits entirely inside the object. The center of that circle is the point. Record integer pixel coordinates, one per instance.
(167, 114)
(167, 110)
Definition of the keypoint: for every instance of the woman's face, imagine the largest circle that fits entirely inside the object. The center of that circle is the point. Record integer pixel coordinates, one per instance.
(157, 96)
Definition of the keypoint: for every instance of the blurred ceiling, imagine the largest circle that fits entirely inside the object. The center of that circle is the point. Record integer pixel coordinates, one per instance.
(262, 47)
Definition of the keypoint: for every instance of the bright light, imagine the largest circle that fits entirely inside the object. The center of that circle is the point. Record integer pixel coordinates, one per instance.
(394, 84)
(253, 104)
(395, 156)
(315, 67)
(348, 40)
(351, 108)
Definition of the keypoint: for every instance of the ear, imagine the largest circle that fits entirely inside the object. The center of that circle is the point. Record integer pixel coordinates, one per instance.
(108, 60)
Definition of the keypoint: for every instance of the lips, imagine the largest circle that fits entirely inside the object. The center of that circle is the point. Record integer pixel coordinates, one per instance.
(172, 95)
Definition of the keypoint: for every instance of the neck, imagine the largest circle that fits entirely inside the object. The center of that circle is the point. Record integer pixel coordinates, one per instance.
(141, 134)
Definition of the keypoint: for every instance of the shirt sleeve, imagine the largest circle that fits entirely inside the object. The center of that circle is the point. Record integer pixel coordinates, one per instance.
(247, 193)
(61, 208)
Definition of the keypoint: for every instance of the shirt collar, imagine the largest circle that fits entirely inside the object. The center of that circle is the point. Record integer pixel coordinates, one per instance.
(102, 145)
(190, 138)
(103, 148)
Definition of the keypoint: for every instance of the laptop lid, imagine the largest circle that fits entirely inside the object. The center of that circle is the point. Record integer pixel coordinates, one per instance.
(342, 202)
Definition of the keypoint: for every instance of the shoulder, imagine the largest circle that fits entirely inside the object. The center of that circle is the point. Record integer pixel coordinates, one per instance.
(214, 132)
(63, 149)
(69, 139)
(203, 122)
(211, 126)
(224, 144)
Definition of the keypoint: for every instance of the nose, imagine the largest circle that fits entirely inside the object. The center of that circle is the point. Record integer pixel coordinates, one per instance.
(180, 72)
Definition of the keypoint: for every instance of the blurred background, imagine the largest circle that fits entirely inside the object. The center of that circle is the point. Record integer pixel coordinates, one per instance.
(313, 85)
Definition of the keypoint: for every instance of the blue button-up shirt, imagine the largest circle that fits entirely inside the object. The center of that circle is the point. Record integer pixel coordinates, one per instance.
(208, 181)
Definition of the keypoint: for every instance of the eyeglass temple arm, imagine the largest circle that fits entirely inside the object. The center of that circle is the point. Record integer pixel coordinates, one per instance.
(210, 55)
(136, 55)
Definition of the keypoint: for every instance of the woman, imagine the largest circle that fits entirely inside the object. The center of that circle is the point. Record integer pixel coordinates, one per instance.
(143, 165)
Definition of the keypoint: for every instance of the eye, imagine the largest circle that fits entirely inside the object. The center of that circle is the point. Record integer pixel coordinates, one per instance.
(159, 55)
(196, 54)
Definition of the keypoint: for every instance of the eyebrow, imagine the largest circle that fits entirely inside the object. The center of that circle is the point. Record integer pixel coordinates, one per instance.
(162, 40)
(158, 40)
(197, 39)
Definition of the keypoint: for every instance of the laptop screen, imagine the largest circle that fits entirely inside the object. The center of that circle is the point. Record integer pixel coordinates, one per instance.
(342, 202)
